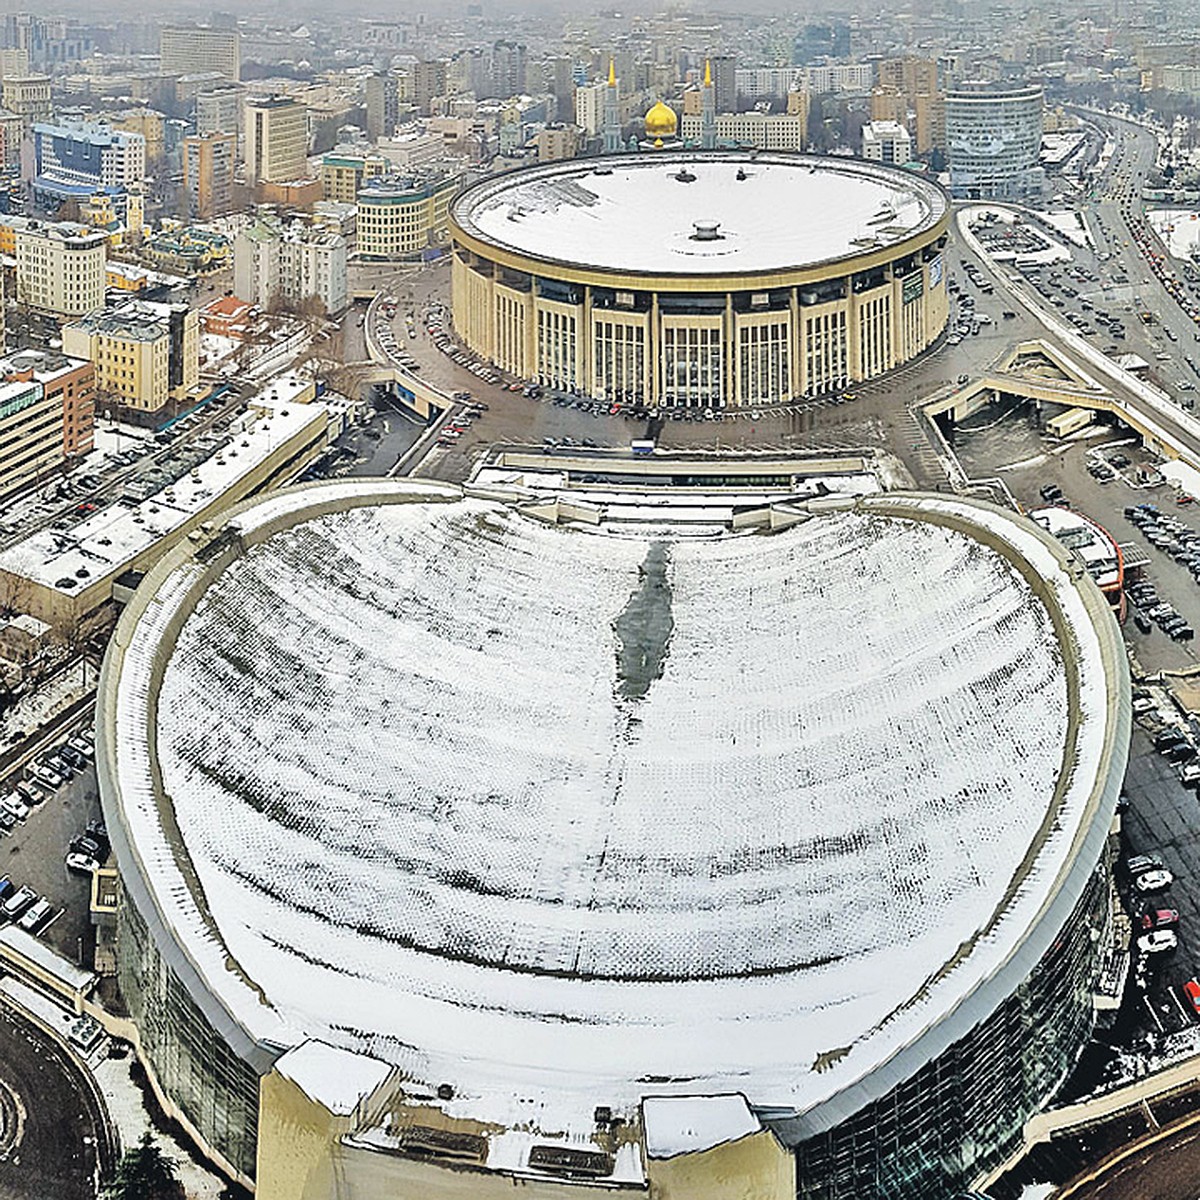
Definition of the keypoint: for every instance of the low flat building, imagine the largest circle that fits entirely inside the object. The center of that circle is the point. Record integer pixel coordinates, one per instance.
(145, 354)
(68, 578)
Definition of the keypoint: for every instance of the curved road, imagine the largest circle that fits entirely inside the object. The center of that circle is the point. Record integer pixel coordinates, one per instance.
(60, 1121)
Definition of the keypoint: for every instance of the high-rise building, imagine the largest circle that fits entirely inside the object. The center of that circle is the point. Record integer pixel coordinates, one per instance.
(508, 69)
(208, 165)
(909, 76)
(886, 142)
(589, 107)
(428, 80)
(560, 83)
(276, 131)
(381, 96)
(723, 68)
(29, 97)
(993, 139)
(188, 49)
(13, 61)
(219, 110)
(887, 104)
(60, 267)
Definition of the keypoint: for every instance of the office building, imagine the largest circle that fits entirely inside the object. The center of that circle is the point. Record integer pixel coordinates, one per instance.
(145, 354)
(994, 140)
(74, 159)
(28, 96)
(427, 82)
(208, 167)
(276, 135)
(345, 170)
(47, 403)
(886, 142)
(60, 267)
(190, 49)
(399, 216)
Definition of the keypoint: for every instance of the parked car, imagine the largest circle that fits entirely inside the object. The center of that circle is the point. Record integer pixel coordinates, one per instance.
(81, 863)
(1191, 993)
(18, 902)
(12, 803)
(1154, 881)
(36, 916)
(1160, 941)
(1159, 918)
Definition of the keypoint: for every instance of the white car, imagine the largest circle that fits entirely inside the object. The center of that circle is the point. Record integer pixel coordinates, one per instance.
(43, 774)
(82, 863)
(1157, 942)
(1143, 704)
(1189, 774)
(13, 803)
(1154, 881)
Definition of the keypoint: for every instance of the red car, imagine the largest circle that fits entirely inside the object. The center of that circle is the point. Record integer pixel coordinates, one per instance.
(1159, 918)
(1185, 498)
(1191, 991)
(83, 509)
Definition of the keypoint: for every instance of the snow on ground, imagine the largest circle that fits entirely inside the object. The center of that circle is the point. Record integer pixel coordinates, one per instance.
(214, 348)
(123, 1098)
(1067, 223)
(1179, 230)
(667, 886)
(32, 711)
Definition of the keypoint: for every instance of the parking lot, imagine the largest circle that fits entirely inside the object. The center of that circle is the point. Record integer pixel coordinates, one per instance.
(33, 850)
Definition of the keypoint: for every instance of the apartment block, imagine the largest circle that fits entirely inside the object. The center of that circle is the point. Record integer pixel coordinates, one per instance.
(290, 264)
(60, 266)
(145, 354)
(208, 166)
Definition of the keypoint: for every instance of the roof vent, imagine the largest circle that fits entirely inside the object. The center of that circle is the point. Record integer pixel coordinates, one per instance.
(685, 176)
(445, 1091)
(706, 231)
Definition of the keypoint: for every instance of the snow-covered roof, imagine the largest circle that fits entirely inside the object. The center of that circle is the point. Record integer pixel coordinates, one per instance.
(566, 817)
(339, 1079)
(640, 212)
(688, 1124)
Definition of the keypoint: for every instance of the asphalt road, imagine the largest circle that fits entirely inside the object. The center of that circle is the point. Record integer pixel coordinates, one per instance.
(55, 1156)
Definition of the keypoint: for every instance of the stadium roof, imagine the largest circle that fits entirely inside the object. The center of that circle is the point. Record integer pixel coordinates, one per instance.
(566, 817)
(640, 212)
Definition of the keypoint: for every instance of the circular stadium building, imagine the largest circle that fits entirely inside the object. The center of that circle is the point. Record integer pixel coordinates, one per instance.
(464, 846)
(710, 279)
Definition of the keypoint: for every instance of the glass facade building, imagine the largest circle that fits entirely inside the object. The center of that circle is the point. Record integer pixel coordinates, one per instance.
(993, 141)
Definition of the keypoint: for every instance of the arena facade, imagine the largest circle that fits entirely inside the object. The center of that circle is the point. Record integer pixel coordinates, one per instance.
(700, 279)
(463, 846)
